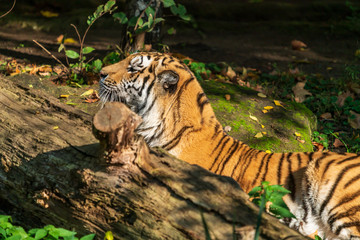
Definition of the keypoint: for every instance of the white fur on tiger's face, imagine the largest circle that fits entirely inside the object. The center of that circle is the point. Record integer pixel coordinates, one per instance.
(177, 116)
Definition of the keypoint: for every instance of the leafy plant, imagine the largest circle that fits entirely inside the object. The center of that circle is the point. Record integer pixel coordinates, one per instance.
(147, 20)
(77, 71)
(270, 193)
(49, 232)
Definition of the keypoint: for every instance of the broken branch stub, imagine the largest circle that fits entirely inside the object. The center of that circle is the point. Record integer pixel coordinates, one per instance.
(114, 126)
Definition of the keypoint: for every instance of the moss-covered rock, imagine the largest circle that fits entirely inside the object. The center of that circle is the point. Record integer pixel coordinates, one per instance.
(278, 126)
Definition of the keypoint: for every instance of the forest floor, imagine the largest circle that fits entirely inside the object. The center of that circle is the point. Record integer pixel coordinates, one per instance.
(255, 36)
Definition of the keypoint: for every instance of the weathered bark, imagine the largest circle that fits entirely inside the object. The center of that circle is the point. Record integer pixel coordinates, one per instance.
(61, 177)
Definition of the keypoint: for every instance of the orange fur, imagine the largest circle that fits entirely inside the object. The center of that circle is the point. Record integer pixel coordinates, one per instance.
(178, 117)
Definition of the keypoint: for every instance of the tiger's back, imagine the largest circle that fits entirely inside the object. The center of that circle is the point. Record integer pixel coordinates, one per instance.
(178, 117)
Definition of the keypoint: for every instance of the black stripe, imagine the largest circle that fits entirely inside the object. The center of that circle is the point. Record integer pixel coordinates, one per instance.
(148, 57)
(292, 184)
(177, 137)
(299, 159)
(279, 173)
(217, 126)
(347, 159)
(267, 156)
(234, 148)
(310, 156)
(345, 199)
(339, 177)
(347, 225)
(180, 67)
(220, 151)
(266, 167)
(223, 137)
(163, 61)
(145, 79)
(149, 88)
(248, 160)
(238, 161)
(352, 180)
(337, 216)
(327, 166)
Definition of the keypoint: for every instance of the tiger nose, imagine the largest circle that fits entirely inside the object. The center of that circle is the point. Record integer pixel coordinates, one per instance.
(103, 74)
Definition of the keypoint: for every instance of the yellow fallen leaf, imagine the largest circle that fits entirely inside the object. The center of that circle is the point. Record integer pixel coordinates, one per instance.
(109, 236)
(297, 134)
(329, 68)
(70, 40)
(259, 135)
(268, 151)
(253, 118)
(357, 53)
(261, 95)
(56, 127)
(64, 96)
(48, 14)
(88, 92)
(278, 103)
(265, 111)
(264, 133)
(268, 107)
(31, 86)
(262, 126)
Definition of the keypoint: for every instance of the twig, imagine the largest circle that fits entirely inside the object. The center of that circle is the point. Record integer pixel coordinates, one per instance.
(9, 10)
(51, 55)
(141, 15)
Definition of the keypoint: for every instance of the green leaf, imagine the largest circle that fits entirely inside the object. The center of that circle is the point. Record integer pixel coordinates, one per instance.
(168, 3)
(2, 232)
(61, 47)
(132, 21)
(41, 233)
(14, 237)
(157, 20)
(97, 65)
(88, 237)
(171, 31)
(87, 50)
(109, 5)
(5, 218)
(254, 191)
(185, 17)
(280, 212)
(181, 10)
(72, 54)
(99, 10)
(150, 10)
(65, 233)
(121, 17)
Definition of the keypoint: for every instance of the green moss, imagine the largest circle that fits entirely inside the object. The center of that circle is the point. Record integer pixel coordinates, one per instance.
(280, 124)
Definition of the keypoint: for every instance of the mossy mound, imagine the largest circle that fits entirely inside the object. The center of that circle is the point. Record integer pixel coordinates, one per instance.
(284, 128)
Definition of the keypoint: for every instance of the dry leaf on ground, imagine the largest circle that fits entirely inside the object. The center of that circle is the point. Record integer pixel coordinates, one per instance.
(299, 92)
(337, 143)
(298, 45)
(227, 97)
(259, 135)
(326, 116)
(342, 97)
(354, 120)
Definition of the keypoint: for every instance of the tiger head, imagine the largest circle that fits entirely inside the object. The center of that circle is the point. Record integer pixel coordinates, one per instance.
(141, 80)
(159, 88)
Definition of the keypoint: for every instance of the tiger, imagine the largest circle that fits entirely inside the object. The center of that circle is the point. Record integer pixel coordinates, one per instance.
(177, 116)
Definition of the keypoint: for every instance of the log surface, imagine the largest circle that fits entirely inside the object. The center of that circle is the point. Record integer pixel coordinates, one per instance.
(54, 171)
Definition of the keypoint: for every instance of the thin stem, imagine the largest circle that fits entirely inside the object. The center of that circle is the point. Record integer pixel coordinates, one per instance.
(81, 43)
(141, 15)
(262, 207)
(51, 55)
(9, 10)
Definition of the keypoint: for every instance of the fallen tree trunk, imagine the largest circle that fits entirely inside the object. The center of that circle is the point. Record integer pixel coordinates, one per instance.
(53, 171)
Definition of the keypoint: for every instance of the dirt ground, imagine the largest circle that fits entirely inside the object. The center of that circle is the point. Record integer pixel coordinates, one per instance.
(240, 33)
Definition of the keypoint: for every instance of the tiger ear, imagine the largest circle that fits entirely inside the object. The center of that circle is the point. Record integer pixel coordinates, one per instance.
(168, 78)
